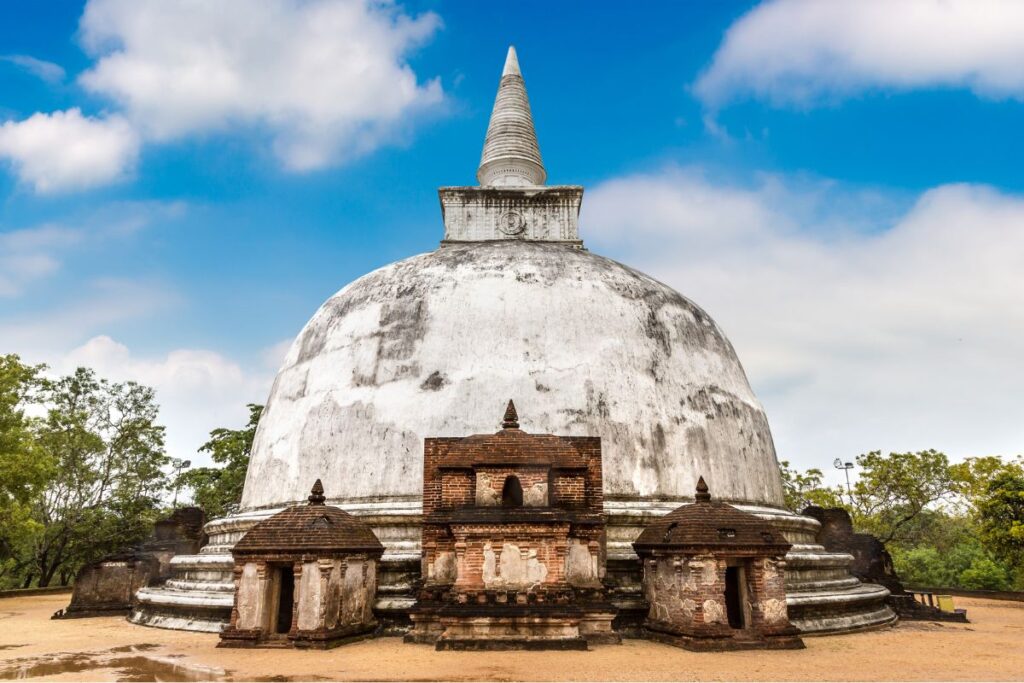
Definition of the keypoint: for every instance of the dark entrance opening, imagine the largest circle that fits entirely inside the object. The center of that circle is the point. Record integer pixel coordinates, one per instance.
(512, 492)
(284, 603)
(733, 596)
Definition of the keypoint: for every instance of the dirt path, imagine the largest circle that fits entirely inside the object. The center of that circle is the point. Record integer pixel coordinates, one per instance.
(990, 648)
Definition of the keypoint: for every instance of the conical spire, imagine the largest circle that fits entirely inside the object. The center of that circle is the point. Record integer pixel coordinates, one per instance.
(511, 419)
(703, 494)
(511, 156)
(316, 495)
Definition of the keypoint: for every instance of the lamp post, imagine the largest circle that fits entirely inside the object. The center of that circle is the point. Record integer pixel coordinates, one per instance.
(179, 465)
(846, 467)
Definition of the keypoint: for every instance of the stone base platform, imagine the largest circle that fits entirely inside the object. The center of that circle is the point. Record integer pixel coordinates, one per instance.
(822, 596)
(724, 643)
(509, 627)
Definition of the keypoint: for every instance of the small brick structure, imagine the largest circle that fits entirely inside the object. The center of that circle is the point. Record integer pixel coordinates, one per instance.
(108, 586)
(513, 542)
(305, 577)
(714, 578)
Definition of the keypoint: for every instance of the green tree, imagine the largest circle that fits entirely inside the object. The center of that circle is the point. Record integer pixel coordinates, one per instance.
(975, 475)
(984, 574)
(218, 490)
(893, 491)
(23, 469)
(1000, 513)
(108, 457)
(806, 488)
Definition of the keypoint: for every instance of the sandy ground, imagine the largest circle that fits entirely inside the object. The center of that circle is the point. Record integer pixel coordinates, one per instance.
(108, 648)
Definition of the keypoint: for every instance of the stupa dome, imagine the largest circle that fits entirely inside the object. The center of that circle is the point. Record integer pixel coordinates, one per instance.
(511, 305)
(434, 345)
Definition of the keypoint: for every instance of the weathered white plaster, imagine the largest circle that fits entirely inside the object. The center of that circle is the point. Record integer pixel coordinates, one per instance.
(445, 568)
(537, 213)
(436, 345)
(486, 493)
(714, 612)
(511, 156)
(354, 599)
(308, 596)
(251, 592)
(536, 495)
(513, 567)
(580, 563)
(774, 610)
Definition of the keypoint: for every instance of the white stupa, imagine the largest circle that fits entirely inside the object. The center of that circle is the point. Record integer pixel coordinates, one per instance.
(511, 305)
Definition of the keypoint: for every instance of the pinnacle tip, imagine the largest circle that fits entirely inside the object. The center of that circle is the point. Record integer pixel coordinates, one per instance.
(511, 418)
(316, 495)
(703, 494)
(511, 63)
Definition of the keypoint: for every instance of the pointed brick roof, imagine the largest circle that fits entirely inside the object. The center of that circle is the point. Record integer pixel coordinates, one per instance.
(311, 528)
(708, 523)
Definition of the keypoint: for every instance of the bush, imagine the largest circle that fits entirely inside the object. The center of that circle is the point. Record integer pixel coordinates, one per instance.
(984, 574)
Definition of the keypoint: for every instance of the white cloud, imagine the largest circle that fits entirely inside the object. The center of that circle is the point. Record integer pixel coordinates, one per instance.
(803, 51)
(273, 356)
(41, 69)
(860, 326)
(66, 151)
(327, 78)
(197, 390)
(29, 254)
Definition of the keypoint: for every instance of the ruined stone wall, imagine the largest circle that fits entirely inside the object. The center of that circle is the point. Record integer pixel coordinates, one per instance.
(109, 585)
(521, 555)
(767, 592)
(685, 592)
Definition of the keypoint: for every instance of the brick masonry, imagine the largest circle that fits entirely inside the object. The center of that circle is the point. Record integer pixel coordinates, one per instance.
(505, 571)
(688, 557)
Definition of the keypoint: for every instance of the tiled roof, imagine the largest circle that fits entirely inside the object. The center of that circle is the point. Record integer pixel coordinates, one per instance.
(314, 527)
(708, 523)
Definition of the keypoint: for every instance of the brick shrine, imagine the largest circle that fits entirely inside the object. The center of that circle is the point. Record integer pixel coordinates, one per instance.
(714, 578)
(304, 577)
(513, 542)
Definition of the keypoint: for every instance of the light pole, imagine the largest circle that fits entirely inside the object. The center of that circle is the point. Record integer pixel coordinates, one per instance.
(846, 467)
(179, 465)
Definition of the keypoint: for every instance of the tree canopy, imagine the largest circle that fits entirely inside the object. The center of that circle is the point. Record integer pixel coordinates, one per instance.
(218, 490)
(84, 471)
(945, 524)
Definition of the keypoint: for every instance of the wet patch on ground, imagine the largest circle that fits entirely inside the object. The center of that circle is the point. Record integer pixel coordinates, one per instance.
(125, 663)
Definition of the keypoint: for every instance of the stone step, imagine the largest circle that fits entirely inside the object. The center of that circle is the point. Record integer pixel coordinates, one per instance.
(158, 595)
(844, 622)
(822, 585)
(862, 592)
(184, 584)
(202, 563)
(817, 560)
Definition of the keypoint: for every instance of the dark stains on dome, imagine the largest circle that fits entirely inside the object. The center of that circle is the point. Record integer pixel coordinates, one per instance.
(434, 381)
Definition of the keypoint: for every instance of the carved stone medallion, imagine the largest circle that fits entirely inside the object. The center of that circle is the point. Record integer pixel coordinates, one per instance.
(511, 223)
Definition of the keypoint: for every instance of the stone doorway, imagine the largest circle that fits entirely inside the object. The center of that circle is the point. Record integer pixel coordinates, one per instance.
(286, 597)
(734, 596)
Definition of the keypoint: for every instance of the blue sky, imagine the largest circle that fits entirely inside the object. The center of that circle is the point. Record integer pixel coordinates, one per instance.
(846, 200)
